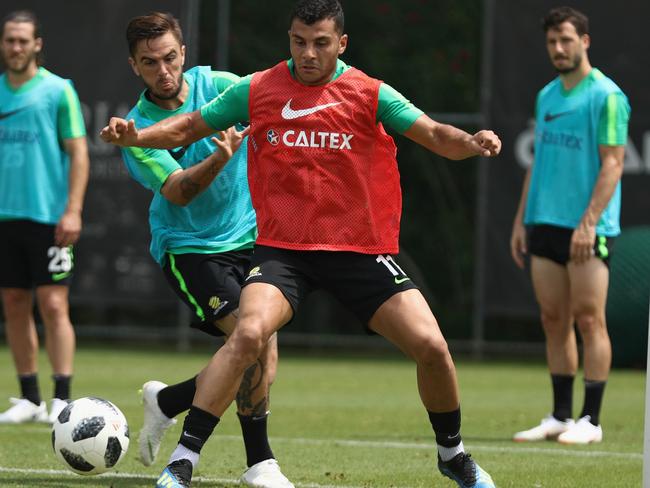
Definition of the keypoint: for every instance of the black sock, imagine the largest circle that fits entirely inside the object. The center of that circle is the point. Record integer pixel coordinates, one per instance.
(256, 440)
(593, 400)
(177, 398)
(197, 428)
(62, 386)
(447, 427)
(562, 396)
(29, 387)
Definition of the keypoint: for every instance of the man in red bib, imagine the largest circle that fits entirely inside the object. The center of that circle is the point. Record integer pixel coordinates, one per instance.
(325, 185)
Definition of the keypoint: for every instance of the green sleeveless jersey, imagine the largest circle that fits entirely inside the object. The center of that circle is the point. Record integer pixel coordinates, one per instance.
(570, 127)
(34, 121)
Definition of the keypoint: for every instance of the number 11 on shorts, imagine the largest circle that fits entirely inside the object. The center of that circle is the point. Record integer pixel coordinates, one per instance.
(393, 267)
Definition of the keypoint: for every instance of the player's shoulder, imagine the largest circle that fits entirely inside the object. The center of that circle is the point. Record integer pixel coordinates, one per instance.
(280, 67)
(53, 79)
(603, 83)
(54, 87)
(134, 113)
(139, 115)
(225, 76)
(551, 87)
(209, 74)
(138, 112)
(199, 71)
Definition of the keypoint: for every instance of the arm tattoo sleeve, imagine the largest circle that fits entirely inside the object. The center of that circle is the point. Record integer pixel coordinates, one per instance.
(189, 188)
(215, 168)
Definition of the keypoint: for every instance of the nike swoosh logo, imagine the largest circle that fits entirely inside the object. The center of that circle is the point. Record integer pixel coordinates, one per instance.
(190, 436)
(60, 276)
(399, 281)
(9, 114)
(288, 113)
(550, 117)
(177, 154)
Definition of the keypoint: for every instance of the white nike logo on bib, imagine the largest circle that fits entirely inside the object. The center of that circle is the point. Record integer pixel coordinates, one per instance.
(288, 113)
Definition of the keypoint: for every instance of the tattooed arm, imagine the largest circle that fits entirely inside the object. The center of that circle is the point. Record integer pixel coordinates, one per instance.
(184, 184)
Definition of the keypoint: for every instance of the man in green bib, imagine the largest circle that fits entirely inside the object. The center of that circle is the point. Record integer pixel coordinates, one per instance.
(43, 178)
(570, 203)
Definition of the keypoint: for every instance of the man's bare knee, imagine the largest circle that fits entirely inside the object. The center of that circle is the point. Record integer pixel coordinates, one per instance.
(247, 343)
(53, 308)
(589, 323)
(15, 299)
(555, 324)
(431, 351)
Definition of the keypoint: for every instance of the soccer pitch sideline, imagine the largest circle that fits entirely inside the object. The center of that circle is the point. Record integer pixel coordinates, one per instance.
(345, 422)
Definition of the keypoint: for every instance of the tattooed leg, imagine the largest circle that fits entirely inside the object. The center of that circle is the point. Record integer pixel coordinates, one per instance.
(253, 397)
(252, 411)
(253, 391)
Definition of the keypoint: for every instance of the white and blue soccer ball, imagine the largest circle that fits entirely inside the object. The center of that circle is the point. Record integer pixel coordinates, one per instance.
(90, 436)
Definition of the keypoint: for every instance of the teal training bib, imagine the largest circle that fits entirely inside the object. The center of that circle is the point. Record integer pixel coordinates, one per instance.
(219, 218)
(33, 165)
(567, 159)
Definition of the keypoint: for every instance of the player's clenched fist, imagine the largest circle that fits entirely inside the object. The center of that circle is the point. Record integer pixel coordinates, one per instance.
(488, 142)
(120, 132)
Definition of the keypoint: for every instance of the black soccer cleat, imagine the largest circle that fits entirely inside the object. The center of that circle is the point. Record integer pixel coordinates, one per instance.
(177, 474)
(465, 472)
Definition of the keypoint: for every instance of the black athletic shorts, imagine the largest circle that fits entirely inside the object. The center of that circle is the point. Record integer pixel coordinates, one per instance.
(210, 284)
(30, 258)
(554, 243)
(362, 282)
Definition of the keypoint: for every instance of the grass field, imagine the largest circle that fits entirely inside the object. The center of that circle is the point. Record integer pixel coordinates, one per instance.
(342, 422)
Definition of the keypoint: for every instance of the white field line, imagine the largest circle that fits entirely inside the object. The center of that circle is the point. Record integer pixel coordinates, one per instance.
(341, 442)
(514, 449)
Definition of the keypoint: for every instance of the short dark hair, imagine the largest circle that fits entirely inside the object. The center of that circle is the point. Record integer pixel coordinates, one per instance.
(152, 26)
(311, 11)
(559, 15)
(20, 16)
(25, 16)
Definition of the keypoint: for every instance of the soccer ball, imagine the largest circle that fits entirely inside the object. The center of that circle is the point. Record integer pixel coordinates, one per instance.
(90, 436)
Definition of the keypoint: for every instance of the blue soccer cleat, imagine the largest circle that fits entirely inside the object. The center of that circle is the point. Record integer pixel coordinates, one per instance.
(464, 471)
(177, 474)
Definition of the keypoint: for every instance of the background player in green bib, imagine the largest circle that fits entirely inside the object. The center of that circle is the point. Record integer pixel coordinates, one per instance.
(571, 201)
(202, 232)
(43, 178)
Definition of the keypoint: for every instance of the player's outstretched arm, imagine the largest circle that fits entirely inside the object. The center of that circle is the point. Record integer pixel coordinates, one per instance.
(179, 130)
(183, 185)
(451, 142)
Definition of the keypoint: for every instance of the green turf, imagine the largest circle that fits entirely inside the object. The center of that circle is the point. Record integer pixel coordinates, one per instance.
(346, 423)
